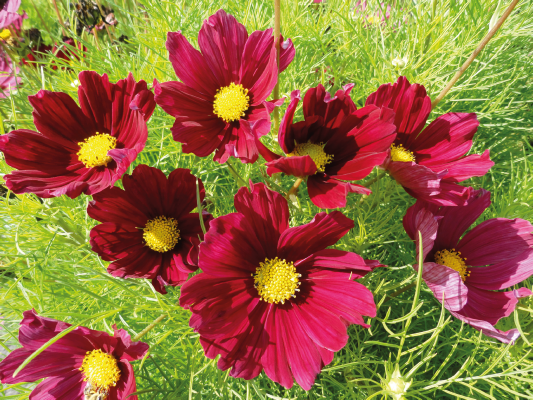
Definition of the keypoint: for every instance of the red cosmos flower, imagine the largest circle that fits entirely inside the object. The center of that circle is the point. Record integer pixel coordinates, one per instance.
(272, 297)
(79, 150)
(223, 89)
(494, 255)
(429, 163)
(148, 230)
(83, 362)
(335, 143)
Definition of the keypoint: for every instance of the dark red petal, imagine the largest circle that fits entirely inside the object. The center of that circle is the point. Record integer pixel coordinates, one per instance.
(57, 116)
(141, 262)
(180, 100)
(190, 66)
(445, 282)
(328, 192)
(180, 196)
(231, 248)
(170, 274)
(334, 264)
(420, 217)
(222, 41)
(129, 351)
(285, 135)
(488, 329)
(240, 144)
(95, 94)
(115, 241)
(287, 53)
(451, 194)
(491, 306)
(333, 110)
(126, 385)
(299, 166)
(454, 221)
(496, 240)
(266, 211)
(147, 189)
(359, 167)
(410, 103)
(323, 231)
(467, 167)
(67, 387)
(114, 205)
(422, 182)
(259, 68)
(444, 138)
(503, 274)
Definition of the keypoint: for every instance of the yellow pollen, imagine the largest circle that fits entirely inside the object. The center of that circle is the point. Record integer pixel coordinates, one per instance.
(399, 153)
(93, 151)
(5, 34)
(231, 102)
(316, 152)
(161, 234)
(453, 260)
(101, 371)
(276, 280)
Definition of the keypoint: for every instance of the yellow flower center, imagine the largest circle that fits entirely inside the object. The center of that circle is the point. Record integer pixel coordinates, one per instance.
(276, 280)
(5, 34)
(231, 102)
(161, 234)
(100, 371)
(399, 153)
(453, 259)
(316, 152)
(93, 151)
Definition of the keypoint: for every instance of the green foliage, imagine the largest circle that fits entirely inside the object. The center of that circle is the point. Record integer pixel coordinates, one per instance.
(45, 258)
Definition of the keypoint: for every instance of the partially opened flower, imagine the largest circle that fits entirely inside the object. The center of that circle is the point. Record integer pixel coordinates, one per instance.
(81, 365)
(429, 162)
(8, 79)
(79, 150)
(223, 88)
(273, 297)
(334, 144)
(148, 230)
(472, 270)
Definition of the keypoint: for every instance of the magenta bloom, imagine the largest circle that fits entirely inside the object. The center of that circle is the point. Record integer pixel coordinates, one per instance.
(9, 16)
(8, 80)
(79, 150)
(494, 255)
(428, 163)
(223, 88)
(335, 143)
(272, 297)
(83, 362)
(148, 230)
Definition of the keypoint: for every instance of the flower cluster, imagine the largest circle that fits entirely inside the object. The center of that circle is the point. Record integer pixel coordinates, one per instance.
(269, 296)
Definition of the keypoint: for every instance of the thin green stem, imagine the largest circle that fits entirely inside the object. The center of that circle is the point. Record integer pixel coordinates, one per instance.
(149, 327)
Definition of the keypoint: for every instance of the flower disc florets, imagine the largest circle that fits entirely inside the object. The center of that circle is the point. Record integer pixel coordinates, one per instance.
(100, 370)
(453, 260)
(399, 153)
(231, 102)
(161, 234)
(93, 151)
(276, 280)
(316, 152)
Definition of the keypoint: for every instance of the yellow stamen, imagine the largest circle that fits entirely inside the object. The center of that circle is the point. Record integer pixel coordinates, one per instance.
(316, 152)
(453, 260)
(100, 371)
(276, 280)
(231, 102)
(161, 234)
(5, 34)
(399, 153)
(93, 151)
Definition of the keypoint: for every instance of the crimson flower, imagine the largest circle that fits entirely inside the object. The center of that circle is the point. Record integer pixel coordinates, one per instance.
(428, 163)
(82, 363)
(223, 88)
(148, 230)
(79, 150)
(471, 270)
(272, 297)
(335, 143)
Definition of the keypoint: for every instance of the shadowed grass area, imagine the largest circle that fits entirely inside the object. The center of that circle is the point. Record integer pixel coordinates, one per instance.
(45, 258)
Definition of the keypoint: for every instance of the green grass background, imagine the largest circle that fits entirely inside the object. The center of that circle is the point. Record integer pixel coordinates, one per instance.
(45, 258)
